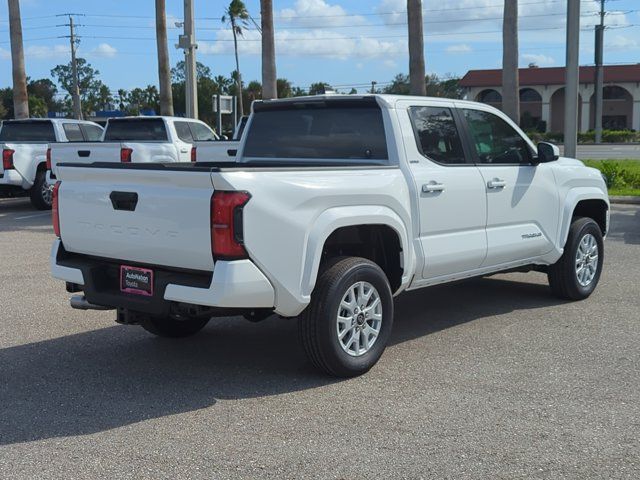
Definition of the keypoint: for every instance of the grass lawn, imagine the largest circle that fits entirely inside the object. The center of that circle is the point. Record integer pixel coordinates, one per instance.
(623, 176)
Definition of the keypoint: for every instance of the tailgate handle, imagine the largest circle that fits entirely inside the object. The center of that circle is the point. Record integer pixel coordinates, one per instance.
(126, 201)
(84, 153)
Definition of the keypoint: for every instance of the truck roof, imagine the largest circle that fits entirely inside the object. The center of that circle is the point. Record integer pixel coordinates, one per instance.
(54, 121)
(384, 99)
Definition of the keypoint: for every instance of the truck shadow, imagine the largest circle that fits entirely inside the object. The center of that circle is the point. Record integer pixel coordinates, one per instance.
(116, 376)
(17, 214)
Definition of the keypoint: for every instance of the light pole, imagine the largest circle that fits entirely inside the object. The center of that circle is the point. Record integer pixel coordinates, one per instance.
(572, 78)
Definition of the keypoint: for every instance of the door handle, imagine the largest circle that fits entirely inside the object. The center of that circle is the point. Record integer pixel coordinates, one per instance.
(126, 201)
(496, 183)
(184, 150)
(432, 187)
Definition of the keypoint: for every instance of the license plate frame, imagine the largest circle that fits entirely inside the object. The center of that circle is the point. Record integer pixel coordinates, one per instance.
(138, 282)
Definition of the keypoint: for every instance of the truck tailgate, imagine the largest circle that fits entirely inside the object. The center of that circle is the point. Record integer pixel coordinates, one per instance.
(155, 217)
(83, 152)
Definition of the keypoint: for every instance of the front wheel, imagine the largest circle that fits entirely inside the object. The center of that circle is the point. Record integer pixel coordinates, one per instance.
(347, 325)
(576, 274)
(171, 328)
(41, 193)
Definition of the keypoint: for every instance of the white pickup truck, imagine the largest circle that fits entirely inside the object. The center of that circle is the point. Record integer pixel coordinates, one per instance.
(154, 139)
(335, 204)
(24, 146)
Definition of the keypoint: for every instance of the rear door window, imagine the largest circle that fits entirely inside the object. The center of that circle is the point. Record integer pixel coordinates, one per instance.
(436, 134)
(29, 131)
(183, 131)
(92, 133)
(201, 133)
(136, 130)
(332, 130)
(72, 132)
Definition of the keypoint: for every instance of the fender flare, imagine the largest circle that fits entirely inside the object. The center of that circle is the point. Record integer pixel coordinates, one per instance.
(575, 196)
(334, 218)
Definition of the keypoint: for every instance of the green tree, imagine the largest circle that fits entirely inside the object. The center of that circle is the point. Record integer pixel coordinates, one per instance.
(177, 72)
(318, 88)
(89, 83)
(399, 86)
(37, 107)
(283, 87)
(237, 16)
(46, 90)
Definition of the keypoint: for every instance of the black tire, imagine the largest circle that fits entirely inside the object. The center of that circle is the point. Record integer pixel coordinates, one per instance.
(317, 327)
(171, 328)
(562, 275)
(39, 199)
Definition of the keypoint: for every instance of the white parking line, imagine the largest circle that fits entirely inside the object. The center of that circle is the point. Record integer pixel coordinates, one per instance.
(33, 216)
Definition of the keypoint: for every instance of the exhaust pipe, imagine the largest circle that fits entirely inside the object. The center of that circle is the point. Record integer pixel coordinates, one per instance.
(79, 302)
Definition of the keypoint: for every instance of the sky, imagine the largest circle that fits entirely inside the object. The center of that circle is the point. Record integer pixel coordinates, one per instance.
(346, 43)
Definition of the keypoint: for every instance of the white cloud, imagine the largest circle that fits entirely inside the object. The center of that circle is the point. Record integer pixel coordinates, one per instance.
(538, 59)
(103, 50)
(621, 42)
(47, 51)
(459, 48)
(5, 54)
(318, 12)
(321, 43)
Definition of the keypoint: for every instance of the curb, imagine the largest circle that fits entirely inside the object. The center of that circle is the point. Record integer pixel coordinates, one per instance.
(625, 200)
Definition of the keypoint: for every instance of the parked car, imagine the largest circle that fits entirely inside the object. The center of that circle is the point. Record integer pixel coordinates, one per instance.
(147, 140)
(335, 204)
(24, 146)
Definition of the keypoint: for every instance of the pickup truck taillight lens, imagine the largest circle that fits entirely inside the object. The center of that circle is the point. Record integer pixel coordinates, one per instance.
(227, 235)
(48, 158)
(7, 158)
(125, 155)
(55, 212)
(193, 154)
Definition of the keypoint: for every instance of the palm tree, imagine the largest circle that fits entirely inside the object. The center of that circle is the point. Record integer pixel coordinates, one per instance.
(20, 96)
(416, 48)
(238, 17)
(510, 81)
(269, 86)
(164, 72)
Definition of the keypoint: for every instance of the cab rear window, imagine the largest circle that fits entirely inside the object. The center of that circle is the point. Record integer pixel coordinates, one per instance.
(136, 130)
(40, 131)
(326, 130)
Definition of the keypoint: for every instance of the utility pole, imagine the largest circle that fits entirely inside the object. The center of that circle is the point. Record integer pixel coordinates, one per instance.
(417, 79)
(20, 97)
(572, 78)
(77, 107)
(187, 42)
(599, 80)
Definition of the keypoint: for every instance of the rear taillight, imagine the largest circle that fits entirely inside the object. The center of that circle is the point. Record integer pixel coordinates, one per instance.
(55, 211)
(48, 158)
(125, 155)
(227, 242)
(193, 154)
(7, 158)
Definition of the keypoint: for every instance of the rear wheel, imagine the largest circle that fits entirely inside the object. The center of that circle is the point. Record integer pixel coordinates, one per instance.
(576, 274)
(347, 325)
(41, 193)
(171, 328)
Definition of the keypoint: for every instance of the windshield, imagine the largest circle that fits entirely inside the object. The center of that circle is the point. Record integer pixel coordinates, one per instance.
(27, 132)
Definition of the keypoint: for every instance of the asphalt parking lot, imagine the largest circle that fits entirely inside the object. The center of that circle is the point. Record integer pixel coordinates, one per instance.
(491, 378)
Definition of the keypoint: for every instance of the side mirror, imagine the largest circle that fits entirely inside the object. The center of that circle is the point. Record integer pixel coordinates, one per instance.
(547, 152)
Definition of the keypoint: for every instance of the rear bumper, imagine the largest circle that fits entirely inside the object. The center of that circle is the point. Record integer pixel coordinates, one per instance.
(11, 178)
(233, 285)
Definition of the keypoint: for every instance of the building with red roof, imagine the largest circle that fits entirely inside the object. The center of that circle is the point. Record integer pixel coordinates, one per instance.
(542, 96)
